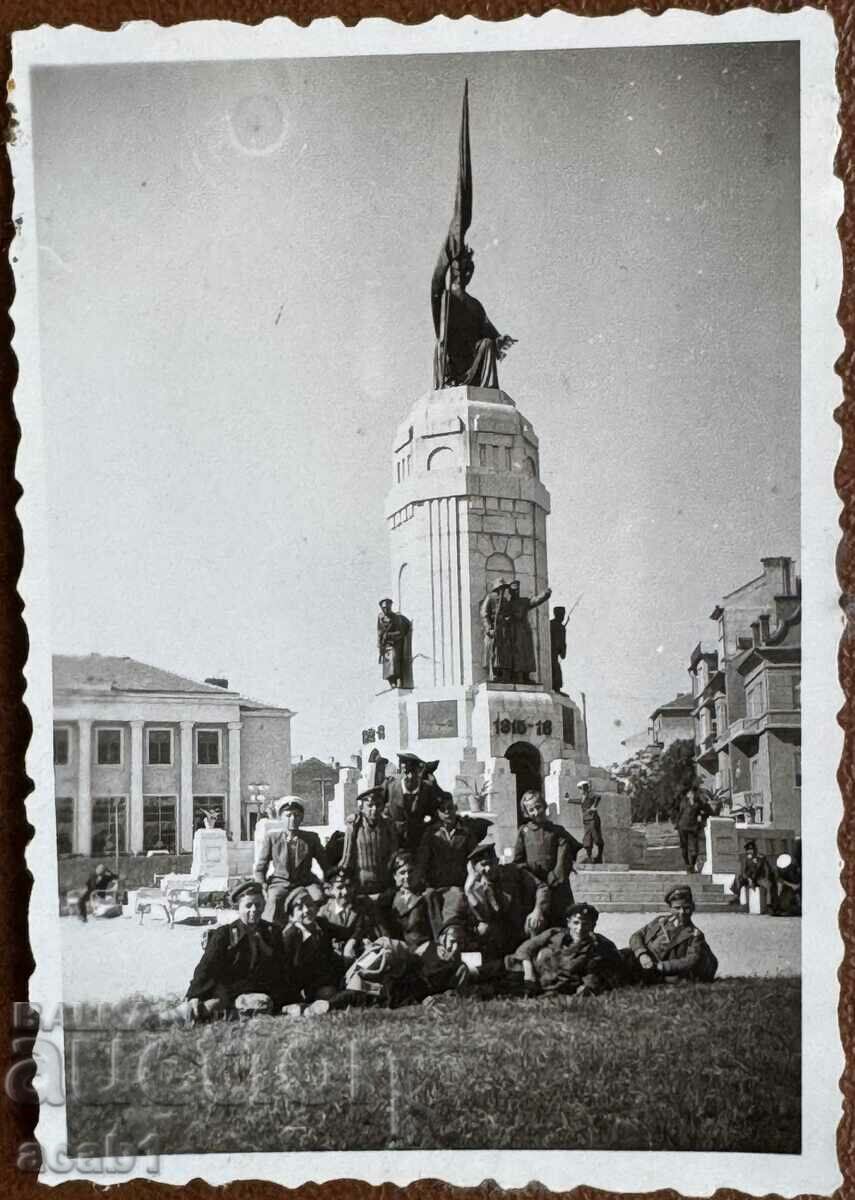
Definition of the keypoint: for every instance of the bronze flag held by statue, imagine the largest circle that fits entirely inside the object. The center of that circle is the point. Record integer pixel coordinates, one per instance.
(468, 346)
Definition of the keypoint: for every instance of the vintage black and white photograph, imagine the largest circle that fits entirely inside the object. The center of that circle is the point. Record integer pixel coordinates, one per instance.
(425, 489)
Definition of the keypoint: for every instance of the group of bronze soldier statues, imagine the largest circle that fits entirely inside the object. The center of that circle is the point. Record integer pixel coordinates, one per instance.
(509, 654)
(418, 905)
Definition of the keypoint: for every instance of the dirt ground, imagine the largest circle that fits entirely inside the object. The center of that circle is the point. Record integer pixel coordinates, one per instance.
(112, 959)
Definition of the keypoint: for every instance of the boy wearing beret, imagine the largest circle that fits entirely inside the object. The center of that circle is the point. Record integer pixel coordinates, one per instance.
(412, 799)
(670, 948)
(572, 960)
(548, 851)
(241, 968)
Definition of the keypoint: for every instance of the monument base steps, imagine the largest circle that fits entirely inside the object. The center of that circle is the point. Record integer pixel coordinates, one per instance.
(618, 888)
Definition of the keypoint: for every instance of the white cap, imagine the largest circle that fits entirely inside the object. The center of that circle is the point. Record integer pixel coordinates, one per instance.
(285, 801)
(784, 860)
(583, 783)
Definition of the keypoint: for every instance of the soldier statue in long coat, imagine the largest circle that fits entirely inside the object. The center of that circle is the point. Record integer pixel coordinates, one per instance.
(497, 623)
(525, 662)
(393, 633)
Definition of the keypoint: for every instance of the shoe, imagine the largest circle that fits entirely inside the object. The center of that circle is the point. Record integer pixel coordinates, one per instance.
(317, 1008)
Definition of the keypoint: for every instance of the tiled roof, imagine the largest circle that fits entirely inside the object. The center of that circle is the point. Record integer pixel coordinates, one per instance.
(121, 674)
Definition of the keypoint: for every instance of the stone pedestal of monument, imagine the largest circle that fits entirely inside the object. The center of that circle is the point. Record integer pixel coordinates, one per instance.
(562, 794)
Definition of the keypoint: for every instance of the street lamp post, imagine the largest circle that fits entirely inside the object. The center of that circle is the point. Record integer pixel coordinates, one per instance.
(258, 796)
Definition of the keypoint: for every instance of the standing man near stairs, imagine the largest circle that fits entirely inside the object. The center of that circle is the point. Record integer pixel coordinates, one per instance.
(592, 837)
(691, 818)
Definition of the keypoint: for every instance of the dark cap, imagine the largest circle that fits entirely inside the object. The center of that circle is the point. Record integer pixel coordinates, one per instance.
(582, 910)
(250, 887)
(430, 767)
(375, 793)
(407, 759)
(485, 850)
(501, 582)
(338, 872)
(402, 858)
(385, 600)
(750, 845)
(680, 891)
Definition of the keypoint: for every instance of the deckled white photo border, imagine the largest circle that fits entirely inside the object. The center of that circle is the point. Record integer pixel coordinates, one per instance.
(815, 1169)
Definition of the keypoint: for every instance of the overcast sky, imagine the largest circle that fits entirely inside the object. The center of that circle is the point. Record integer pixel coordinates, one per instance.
(234, 293)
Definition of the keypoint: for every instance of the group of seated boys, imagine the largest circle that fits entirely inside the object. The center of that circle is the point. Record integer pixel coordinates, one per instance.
(419, 905)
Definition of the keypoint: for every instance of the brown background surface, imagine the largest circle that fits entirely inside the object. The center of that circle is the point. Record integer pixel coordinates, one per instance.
(17, 1121)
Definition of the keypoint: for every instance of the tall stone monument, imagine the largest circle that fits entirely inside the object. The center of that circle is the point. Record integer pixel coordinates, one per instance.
(466, 510)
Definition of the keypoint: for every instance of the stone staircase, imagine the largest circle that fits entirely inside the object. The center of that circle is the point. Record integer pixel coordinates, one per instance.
(615, 887)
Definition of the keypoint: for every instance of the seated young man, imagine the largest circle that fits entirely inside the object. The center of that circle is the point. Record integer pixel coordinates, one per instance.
(97, 885)
(572, 960)
(288, 855)
(348, 920)
(441, 967)
(548, 851)
(671, 947)
(312, 971)
(500, 905)
(755, 871)
(242, 964)
(370, 842)
(405, 914)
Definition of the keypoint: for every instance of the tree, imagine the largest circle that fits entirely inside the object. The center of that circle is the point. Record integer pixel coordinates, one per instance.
(656, 782)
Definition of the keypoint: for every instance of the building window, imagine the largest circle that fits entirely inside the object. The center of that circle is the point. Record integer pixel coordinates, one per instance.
(159, 747)
(109, 825)
(61, 742)
(207, 804)
(64, 825)
(108, 752)
(568, 729)
(159, 823)
(208, 747)
(797, 767)
(754, 700)
(797, 692)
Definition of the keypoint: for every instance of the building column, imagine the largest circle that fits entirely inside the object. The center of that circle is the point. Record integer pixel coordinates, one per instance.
(185, 798)
(135, 817)
(84, 787)
(233, 805)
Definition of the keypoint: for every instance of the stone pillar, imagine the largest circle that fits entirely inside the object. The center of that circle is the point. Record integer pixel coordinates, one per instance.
(135, 816)
(84, 787)
(501, 803)
(233, 804)
(185, 799)
(343, 803)
(562, 799)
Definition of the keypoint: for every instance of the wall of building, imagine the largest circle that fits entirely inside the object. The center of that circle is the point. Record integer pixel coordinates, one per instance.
(782, 747)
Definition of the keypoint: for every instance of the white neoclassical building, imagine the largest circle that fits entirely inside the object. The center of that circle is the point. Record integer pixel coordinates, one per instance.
(140, 752)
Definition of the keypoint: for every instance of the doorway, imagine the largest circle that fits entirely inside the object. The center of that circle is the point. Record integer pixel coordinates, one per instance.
(526, 768)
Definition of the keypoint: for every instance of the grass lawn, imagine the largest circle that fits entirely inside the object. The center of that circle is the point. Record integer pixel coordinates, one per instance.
(696, 1067)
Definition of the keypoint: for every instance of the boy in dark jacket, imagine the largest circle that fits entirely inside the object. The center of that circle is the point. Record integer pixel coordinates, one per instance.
(312, 970)
(548, 851)
(670, 948)
(573, 960)
(347, 920)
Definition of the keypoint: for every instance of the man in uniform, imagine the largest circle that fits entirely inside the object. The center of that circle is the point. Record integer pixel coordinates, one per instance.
(592, 837)
(671, 947)
(289, 854)
(691, 818)
(548, 851)
(571, 960)
(241, 968)
(393, 629)
(755, 871)
(412, 799)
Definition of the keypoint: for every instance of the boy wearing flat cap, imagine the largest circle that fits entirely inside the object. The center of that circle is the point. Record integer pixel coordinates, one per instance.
(288, 855)
(570, 961)
(370, 843)
(412, 799)
(312, 970)
(671, 947)
(406, 915)
(548, 851)
(241, 968)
